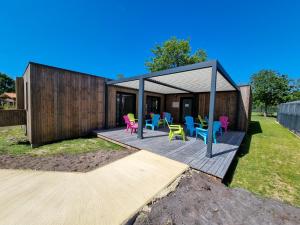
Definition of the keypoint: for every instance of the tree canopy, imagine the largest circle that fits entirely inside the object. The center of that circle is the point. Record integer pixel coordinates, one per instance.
(173, 53)
(270, 88)
(6, 83)
(295, 89)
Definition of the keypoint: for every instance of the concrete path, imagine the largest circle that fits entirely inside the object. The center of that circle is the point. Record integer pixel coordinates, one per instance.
(109, 195)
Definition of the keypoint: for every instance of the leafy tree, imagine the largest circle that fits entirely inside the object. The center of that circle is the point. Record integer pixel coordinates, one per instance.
(269, 88)
(173, 53)
(6, 83)
(295, 89)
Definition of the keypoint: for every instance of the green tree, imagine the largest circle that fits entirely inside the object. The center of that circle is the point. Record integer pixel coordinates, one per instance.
(6, 83)
(295, 89)
(173, 53)
(269, 88)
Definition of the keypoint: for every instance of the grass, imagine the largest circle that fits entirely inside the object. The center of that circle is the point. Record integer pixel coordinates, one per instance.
(269, 161)
(14, 142)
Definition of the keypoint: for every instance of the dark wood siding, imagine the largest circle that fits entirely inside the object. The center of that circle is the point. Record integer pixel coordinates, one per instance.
(245, 108)
(226, 104)
(112, 92)
(62, 104)
(11, 117)
(20, 92)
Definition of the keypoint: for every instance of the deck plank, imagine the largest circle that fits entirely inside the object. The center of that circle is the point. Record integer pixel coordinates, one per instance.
(191, 152)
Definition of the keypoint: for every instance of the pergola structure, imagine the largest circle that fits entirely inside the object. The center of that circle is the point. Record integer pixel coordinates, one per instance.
(207, 76)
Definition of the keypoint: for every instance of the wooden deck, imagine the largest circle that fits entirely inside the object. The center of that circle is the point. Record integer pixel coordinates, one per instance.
(191, 152)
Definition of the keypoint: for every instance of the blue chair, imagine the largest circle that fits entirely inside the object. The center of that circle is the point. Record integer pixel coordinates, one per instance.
(168, 118)
(204, 132)
(153, 123)
(190, 125)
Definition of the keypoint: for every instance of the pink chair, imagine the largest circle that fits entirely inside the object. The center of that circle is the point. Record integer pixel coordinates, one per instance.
(130, 125)
(224, 122)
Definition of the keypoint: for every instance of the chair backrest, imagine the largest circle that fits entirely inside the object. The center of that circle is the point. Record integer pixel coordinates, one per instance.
(155, 119)
(189, 121)
(216, 126)
(126, 119)
(224, 120)
(201, 120)
(131, 117)
(167, 116)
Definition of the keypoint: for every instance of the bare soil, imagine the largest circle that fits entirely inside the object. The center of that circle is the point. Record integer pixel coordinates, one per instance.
(199, 199)
(67, 162)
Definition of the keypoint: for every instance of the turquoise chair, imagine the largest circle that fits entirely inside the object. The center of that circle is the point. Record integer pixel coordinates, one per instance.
(167, 118)
(154, 122)
(204, 132)
(190, 125)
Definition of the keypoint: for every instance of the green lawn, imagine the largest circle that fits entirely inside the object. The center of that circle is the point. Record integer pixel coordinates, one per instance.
(269, 161)
(14, 142)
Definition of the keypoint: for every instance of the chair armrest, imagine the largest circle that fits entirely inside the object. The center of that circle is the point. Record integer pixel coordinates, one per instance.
(175, 126)
(147, 120)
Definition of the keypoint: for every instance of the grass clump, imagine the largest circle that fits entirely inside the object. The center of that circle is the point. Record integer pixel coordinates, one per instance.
(13, 141)
(269, 161)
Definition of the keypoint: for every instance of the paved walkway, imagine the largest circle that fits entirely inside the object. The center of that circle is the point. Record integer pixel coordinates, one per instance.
(109, 195)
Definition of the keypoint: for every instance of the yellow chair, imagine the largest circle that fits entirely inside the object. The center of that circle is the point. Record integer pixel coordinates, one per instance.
(203, 122)
(131, 117)
(175, 130)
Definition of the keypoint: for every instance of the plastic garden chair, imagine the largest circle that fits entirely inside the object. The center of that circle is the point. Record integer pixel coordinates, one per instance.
(167, 117)
(131, 117)
(175, 130)
(130, 125)
(224, 122)
(204, 132)
(190, 125)
(202, 122)
(154, 122)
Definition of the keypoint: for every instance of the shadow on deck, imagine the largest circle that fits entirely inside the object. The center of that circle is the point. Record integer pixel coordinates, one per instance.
(191, 152)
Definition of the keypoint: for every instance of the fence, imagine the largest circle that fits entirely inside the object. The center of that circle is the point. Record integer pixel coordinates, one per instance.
(11, 117)
(289, 116)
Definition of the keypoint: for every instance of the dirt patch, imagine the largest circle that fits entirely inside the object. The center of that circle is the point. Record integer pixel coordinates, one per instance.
(67, 162)
(199, 199)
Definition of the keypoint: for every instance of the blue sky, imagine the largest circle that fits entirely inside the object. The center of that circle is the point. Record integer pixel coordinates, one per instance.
(111, 37)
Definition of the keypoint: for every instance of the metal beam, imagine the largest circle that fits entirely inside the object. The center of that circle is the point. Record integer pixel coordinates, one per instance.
(212, 99)
(226, 75)
(179, 69)
(168, 85)
(141, 107)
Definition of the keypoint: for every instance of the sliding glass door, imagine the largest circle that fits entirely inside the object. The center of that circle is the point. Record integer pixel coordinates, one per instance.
(125, 103)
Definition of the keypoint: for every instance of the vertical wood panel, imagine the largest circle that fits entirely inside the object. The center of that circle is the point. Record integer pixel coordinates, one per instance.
(64, 104)
(20, 93)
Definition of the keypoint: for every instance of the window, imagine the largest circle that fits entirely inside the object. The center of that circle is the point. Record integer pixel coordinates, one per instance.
(153, 104)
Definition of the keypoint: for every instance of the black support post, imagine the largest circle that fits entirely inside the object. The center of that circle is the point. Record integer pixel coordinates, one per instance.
(212, 99)
(141, 107)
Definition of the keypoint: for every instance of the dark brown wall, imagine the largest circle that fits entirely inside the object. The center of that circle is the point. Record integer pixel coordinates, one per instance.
(226, 104)
(62, 104)
(11, 117)
(245, 107)
(20, 92)
(112, 92)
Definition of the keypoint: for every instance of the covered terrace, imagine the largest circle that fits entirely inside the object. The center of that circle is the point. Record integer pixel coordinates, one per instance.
(208, 79)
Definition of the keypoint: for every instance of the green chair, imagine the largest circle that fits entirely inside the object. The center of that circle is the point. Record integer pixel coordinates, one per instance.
(131, 117)
(175, 130)
(202, 122)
